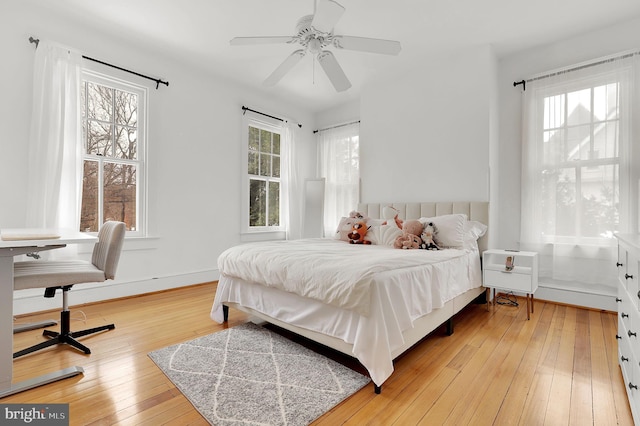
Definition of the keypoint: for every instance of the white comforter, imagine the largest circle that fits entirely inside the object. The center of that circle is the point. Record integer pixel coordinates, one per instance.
(331, 271)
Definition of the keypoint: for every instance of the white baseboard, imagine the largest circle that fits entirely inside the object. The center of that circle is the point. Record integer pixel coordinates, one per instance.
(29, 301)
(593, 300)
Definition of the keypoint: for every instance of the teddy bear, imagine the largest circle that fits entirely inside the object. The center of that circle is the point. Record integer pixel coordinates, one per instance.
(410, 238)
(358, 232)
(427, 236)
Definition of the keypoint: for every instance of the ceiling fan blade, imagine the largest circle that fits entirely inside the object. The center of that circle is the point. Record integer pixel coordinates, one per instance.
(364, 44)
(284, 68)
(243, 41)
(333, 70)
(327, 14)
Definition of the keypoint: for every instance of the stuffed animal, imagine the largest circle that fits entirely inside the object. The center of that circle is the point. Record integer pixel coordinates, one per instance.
(358, 232)
(428, 234)
(346, 225)
(407, 241)
(410, 238)
(390, 215)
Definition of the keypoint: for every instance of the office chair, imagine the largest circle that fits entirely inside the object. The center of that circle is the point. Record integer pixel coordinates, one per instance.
(54, 275)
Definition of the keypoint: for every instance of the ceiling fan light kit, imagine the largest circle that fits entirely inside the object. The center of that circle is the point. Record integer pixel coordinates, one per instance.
(315, 33)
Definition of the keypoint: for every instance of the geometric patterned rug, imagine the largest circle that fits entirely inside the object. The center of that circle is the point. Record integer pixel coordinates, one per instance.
(250, 375)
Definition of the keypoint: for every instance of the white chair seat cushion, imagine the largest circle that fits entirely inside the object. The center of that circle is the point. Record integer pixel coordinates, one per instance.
(42, 274)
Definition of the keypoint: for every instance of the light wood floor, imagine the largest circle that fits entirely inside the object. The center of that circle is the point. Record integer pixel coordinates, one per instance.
(559, 368)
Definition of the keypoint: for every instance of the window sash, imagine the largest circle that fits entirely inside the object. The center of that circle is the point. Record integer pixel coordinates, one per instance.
(112, 157)
(262, 162)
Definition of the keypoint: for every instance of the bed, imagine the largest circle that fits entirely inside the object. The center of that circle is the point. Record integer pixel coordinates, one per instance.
(372, 302)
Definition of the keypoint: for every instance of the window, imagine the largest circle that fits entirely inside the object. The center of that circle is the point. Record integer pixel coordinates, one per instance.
(113, 130)
(339, 164)
(263, 176)
(580, 167)
(575, 181)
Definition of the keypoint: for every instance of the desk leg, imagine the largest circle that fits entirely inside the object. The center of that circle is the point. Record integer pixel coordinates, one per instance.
(45, 379)
(6, 336)
(529, 309)
(6, 318)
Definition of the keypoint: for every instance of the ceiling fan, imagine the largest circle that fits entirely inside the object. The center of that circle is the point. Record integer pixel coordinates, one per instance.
(315, 33)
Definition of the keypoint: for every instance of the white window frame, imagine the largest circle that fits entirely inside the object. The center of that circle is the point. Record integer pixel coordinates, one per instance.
(577, 165)
(254, 120)
(140, 162)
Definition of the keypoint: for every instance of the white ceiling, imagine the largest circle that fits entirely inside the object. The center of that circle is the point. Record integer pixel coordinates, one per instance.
(198, 32)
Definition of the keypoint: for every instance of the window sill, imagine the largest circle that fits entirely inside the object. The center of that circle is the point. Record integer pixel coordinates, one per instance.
(262, 236)
(130, 244)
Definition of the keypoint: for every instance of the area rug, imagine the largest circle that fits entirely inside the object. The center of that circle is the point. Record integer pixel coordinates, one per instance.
(250, 375)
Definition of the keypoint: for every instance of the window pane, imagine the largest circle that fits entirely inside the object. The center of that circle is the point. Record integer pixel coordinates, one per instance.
(99, 138)
(276, 166)
(120, 194)
(254, 139)
(600, 199)
(100, 102)
(126, 105)
(554, 146)
(89, 212)
(126, 142)
(605, 102)
(553, 112)
(254, 165)
(274, 203)
(265, 141)
(265, 165)
(578, 143)
(257, 202)
(276, 143)
(579, 107)
(606, 140)
(559, 202)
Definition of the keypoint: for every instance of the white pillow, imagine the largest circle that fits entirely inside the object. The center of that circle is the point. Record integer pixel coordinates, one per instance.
(383, 234)
(449, 229)
(472, 232)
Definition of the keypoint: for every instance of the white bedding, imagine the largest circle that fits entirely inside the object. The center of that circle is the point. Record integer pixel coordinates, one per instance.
(333, 271)
(393, 288)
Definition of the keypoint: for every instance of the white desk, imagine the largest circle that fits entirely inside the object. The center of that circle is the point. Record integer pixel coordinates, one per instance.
(9, 249)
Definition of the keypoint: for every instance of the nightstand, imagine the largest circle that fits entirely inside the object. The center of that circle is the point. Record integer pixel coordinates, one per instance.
(511, 270)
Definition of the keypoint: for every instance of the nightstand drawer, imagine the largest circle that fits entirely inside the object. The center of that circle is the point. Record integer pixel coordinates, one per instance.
(508, 280)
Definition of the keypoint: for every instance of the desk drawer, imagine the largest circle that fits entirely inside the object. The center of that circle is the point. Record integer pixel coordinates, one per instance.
(508, 281)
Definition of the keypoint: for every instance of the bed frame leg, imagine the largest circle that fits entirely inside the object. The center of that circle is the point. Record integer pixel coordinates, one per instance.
(449, 326)
(225, 313)
(377, 389)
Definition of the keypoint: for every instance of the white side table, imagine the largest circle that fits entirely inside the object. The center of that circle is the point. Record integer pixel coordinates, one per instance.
(522, 277)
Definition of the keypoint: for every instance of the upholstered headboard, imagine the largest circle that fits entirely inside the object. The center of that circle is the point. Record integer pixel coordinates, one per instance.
(475, 210)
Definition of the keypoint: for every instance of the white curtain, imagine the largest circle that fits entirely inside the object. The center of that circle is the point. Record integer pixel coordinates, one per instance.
(576, 192)
(339, 164)
(291, 214)
(55, 160)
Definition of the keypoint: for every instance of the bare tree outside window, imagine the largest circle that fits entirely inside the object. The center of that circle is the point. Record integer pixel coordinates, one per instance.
(264, 177)
(111, 163)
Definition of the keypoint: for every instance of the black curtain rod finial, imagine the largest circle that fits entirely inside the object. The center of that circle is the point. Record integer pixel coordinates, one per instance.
(523, 82)
(35, 41)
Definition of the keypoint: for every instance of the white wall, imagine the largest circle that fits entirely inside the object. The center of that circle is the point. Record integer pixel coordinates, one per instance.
(194, 154)
(603, 42)
(426, 135)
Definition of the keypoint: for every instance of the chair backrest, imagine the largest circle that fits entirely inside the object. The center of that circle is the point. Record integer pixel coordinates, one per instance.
(106, 252)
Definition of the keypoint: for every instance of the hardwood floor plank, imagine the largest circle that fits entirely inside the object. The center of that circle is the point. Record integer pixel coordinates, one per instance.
(497, 368)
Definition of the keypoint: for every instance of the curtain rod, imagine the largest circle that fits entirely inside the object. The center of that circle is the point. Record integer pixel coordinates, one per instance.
(245, 109)
(157, 80)
(335, 127)
(576, 68)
